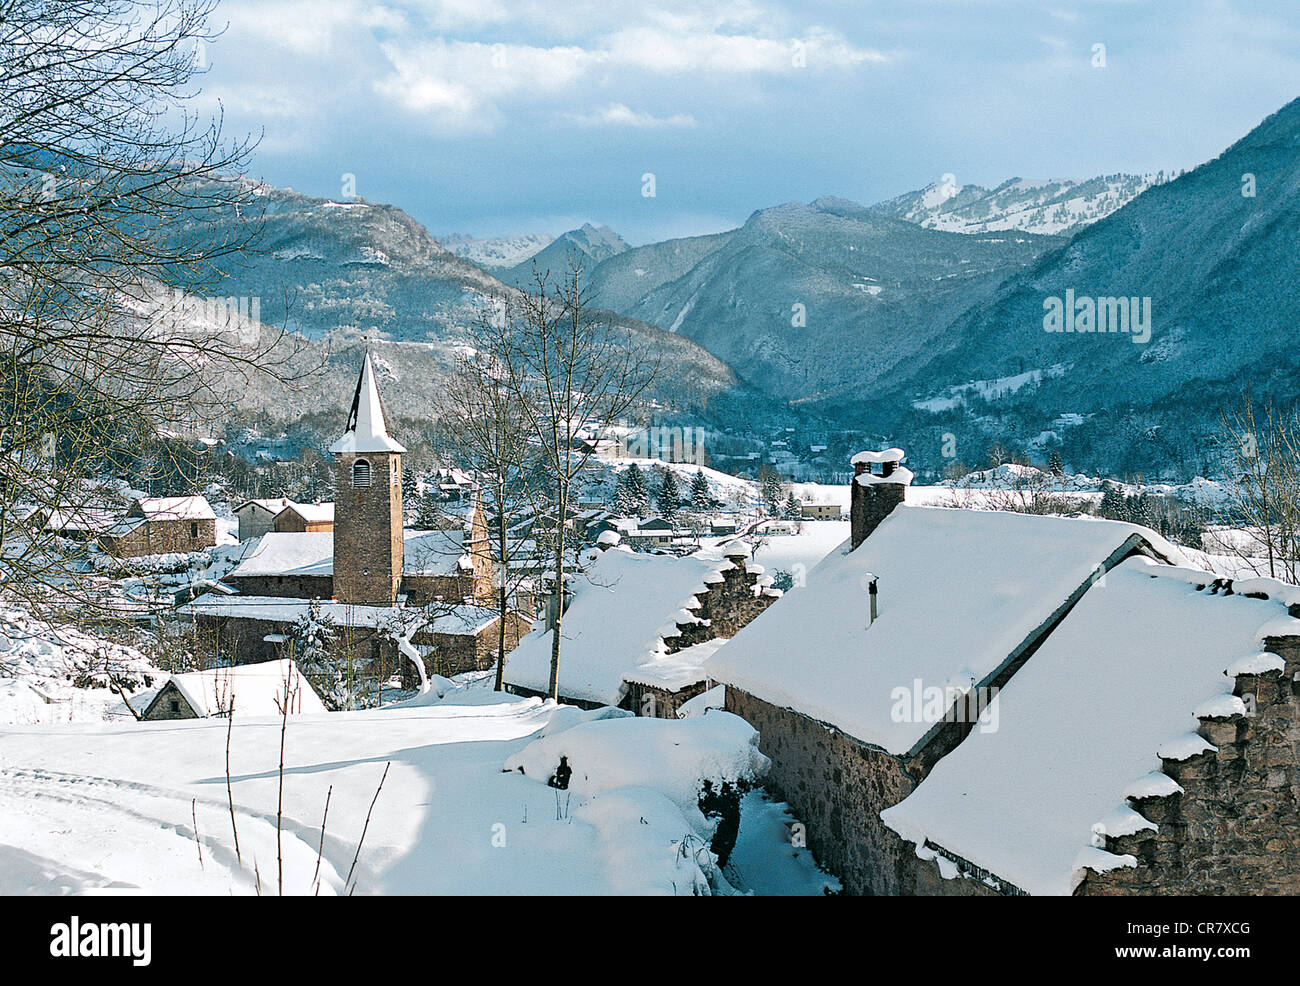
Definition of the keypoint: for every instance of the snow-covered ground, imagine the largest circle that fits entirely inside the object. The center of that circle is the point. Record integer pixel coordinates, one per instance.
(88, 807)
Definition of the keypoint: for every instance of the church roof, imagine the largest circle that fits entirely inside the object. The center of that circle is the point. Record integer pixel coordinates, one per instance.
(312, 553)
(367, 429)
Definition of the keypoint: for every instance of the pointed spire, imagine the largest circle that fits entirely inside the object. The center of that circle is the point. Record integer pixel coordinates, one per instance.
(367, 429)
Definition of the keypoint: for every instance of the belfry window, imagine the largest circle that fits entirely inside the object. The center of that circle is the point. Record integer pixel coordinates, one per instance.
(361, 475)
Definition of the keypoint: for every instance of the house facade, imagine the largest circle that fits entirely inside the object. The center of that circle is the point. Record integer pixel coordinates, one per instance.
(304, 518)
(256, 517)
(162, 525)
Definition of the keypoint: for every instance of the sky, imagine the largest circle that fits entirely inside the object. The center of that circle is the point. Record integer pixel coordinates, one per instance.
(500, 117)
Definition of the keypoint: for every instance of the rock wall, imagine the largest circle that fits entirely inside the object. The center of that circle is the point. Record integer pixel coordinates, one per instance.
(1235, 826)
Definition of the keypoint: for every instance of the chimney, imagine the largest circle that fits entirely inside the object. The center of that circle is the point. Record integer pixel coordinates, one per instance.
(879, 485)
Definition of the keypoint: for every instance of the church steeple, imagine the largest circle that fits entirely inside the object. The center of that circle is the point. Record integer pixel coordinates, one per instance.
(368, 539)
(367, 429)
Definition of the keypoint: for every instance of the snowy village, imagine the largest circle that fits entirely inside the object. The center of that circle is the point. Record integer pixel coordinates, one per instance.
(945, 546)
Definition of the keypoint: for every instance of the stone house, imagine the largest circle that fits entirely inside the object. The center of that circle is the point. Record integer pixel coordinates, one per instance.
(972, 702)
(162, 525)
(256, 517)
(258, 690)
(305, 518)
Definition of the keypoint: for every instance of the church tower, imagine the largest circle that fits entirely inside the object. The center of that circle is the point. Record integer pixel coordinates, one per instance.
(368, 547)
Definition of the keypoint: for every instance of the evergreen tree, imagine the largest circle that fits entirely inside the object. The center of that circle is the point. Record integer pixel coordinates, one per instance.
(1112, 503)
(429, 513)
(669, 495)
(701, 498)
(793, 510)
(769, 485)
(410, 488)
(311, 635)
(1054, 464)
(632, 493)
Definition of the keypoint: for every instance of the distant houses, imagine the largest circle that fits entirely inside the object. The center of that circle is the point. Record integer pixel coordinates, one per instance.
(261, 516)
(305, 518)
(256, 517)
(161, 525)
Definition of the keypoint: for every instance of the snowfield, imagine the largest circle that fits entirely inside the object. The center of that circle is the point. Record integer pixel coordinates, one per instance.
(111, 807)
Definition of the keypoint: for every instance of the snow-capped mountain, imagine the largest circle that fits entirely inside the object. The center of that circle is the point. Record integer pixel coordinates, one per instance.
(596, 243)
(1047, 207)
(496, 253)
(1207, 260)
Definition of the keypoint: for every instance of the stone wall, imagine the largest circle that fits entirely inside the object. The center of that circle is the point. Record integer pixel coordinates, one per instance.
(458, 653)
(237, 639)
(1235, 826)
(836, 787)
(659, 703)
(162, 537)
(420, 590)
(169, 703)
(725, 609)
(283, 586)
(368, 539)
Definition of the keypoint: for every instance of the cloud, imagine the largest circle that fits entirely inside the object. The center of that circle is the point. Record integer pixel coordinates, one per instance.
(618, 114)
(458, 83)
(462, 84)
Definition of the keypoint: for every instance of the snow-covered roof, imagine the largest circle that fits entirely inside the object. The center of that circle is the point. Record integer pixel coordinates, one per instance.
(276, 553)
(257, 690)
(888, 455)
(960, 593)
(367, 429)
(312, 553)
(1080, 725)
(436, 553)
(79, 519)
(313, 513)
(272, 505)
(620, 609)
(285, 609)
(174, 508)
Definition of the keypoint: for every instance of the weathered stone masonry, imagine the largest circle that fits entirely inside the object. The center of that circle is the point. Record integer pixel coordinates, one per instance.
(1235, 826)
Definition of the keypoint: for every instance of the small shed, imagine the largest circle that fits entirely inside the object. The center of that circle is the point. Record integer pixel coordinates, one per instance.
(247, 690)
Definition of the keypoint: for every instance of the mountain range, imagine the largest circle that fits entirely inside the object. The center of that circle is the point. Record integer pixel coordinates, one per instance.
(920, 317)
(342, 275)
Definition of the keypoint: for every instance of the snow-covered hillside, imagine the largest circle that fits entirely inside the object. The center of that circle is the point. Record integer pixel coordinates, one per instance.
(1048, 207)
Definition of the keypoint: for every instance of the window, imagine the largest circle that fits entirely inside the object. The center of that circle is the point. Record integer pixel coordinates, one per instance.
(361, 475)
(194, 529)
(175, 705)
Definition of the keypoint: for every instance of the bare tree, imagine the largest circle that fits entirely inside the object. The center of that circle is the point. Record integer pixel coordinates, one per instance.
(119, 210)
(490, 431)
(574, 373)
(1260, 449)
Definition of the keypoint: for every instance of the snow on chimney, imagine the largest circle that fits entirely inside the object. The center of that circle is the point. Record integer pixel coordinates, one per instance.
(880, 484)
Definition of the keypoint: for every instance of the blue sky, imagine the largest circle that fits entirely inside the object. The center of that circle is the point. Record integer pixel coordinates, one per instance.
(492, 117)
